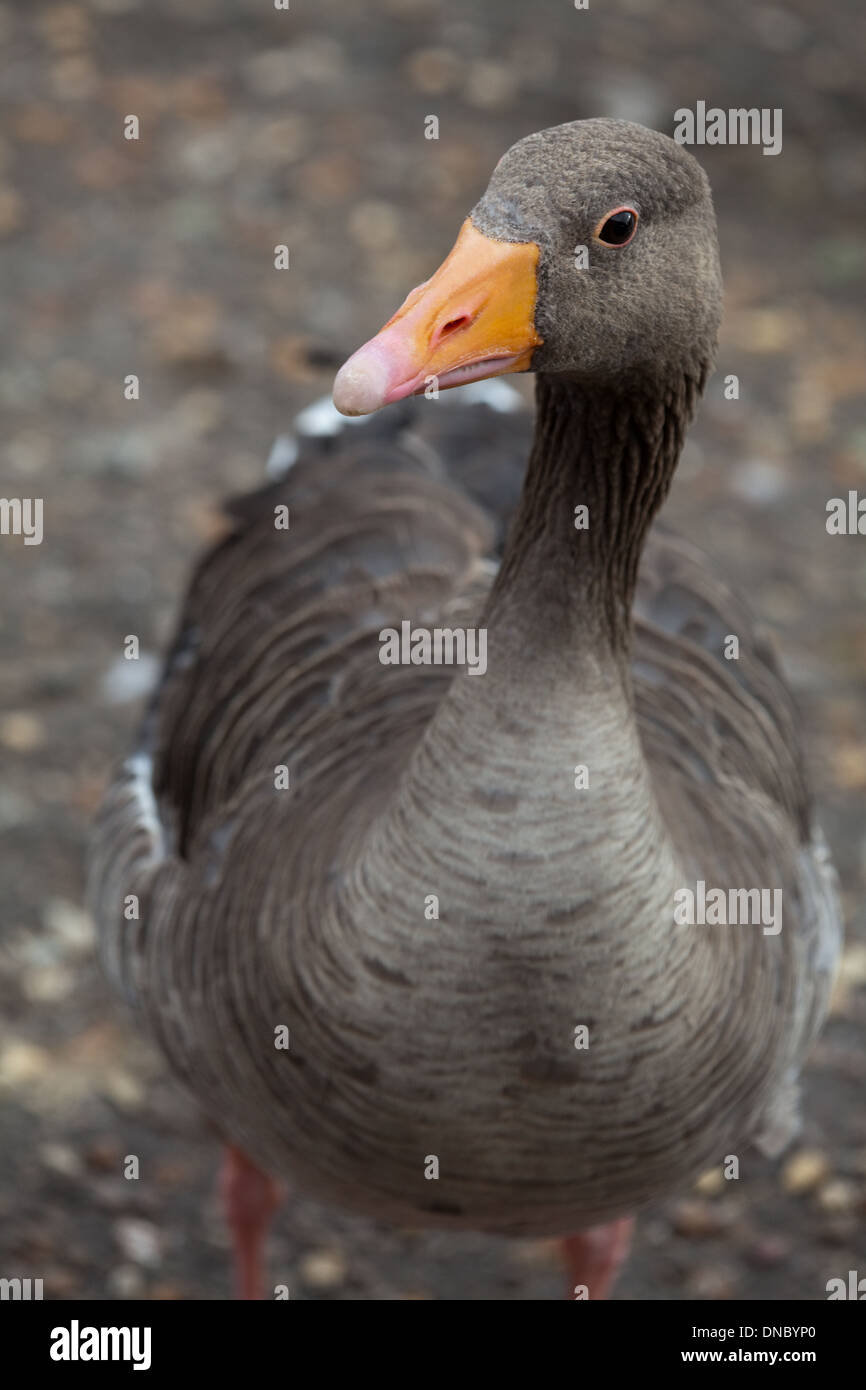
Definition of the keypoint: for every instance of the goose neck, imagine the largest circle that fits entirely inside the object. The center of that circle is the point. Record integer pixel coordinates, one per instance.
(601, 464)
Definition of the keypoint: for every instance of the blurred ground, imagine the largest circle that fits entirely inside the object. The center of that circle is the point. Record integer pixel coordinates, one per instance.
(156, 257)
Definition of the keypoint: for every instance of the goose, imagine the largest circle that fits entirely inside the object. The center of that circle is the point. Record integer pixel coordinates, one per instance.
(408, 929)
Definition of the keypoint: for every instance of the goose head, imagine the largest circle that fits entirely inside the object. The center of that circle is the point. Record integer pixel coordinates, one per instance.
(592, 256)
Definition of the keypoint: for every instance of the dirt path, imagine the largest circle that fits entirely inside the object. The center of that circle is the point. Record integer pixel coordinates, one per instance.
(154, 257)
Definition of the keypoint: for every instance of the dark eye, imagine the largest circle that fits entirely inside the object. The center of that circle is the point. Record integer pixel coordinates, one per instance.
(617, 228)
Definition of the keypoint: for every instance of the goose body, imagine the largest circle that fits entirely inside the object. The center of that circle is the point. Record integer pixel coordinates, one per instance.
(436, 905)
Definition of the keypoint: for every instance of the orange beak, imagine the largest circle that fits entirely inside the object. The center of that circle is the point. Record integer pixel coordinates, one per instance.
(474, 319)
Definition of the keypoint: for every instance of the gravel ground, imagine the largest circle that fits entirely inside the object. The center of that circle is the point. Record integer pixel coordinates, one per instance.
(155, 257)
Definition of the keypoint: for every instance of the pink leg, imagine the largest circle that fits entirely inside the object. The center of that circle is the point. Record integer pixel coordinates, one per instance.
(595, 1257)
(250, 1199)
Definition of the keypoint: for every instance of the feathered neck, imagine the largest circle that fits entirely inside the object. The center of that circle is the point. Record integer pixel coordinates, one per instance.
(600, 467)
(492, 781)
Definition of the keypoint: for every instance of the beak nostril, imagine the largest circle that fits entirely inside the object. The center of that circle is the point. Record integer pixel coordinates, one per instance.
(452, 326)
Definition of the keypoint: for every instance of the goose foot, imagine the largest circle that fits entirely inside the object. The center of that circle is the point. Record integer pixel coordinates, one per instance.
(595, 1257)
(250, 1198)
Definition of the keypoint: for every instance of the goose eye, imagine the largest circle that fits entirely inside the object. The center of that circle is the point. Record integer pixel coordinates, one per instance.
(617, 228)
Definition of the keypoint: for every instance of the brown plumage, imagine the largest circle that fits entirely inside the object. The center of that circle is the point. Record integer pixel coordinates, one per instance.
(453, 1036)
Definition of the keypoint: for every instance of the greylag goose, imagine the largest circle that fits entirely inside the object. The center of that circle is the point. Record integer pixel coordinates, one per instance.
(412, 934)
